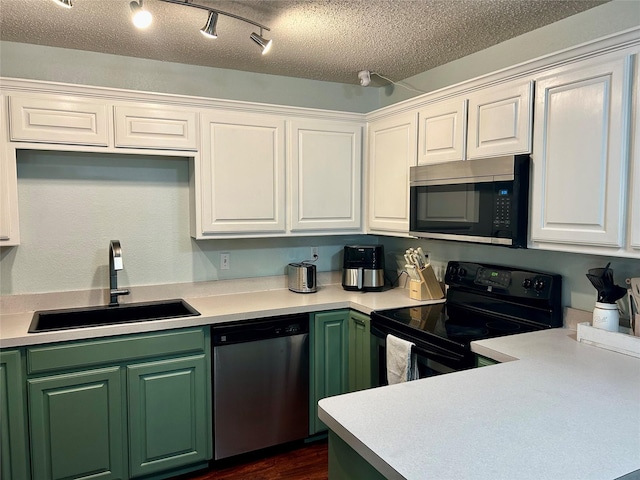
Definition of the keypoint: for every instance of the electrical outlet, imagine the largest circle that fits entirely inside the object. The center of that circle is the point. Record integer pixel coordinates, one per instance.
(314, 253)
(224, 261)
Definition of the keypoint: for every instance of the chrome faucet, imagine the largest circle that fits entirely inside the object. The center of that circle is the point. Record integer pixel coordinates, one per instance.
(115, 264)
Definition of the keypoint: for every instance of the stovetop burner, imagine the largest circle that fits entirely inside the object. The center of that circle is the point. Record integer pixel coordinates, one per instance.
(483, 301)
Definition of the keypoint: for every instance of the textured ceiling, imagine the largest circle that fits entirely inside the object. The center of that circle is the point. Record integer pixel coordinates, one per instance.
(327, 40)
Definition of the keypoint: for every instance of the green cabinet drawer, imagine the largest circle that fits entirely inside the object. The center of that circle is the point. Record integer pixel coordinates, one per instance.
(14, 457)
(77, 426)
(169, 420)
(93, 353)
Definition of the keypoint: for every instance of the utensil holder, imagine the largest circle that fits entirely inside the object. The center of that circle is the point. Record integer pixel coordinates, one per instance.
(427, 288)
(606, 317)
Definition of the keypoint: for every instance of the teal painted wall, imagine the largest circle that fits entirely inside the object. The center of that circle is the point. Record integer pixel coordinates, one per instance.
(606, 19)
(35, 62)
(71, 205)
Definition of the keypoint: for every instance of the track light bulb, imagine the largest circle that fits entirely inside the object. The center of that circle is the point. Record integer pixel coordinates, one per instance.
(209, 30)
(64, 3)
(263, 42)
(365, 77)
(141, 18)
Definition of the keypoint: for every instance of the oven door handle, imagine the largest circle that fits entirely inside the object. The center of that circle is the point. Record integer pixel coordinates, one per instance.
(427, 353)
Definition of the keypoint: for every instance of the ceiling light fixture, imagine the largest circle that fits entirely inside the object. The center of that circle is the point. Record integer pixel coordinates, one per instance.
(209, 30)
(64, 3)
(141, 18)
(263, 42)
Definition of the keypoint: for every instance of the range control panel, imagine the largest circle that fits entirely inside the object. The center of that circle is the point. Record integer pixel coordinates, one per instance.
(510, 281)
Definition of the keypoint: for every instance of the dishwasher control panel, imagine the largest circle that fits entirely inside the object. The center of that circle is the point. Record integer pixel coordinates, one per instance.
(260, 329)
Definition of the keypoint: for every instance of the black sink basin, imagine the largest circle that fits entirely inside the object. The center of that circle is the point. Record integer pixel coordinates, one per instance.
(47, 320)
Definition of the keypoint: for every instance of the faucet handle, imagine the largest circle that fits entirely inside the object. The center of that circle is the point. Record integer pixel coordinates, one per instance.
(116, 255)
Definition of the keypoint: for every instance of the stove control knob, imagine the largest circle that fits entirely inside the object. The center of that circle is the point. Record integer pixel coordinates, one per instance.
(461, 272)
(453, 270)
(539, 285)
(526, 283)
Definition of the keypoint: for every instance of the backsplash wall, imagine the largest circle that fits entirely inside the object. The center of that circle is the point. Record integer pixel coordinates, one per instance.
(577, 291)
(73, 204)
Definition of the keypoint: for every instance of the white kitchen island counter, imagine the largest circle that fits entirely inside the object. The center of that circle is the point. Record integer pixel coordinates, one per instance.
(563, 411)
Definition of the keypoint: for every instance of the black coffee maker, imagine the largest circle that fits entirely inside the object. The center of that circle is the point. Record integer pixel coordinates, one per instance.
(363, 268)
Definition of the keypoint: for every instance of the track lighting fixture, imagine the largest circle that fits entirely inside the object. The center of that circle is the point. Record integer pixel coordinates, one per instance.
(209, 30)
(261, 41)
(64, 3)
(141, 18)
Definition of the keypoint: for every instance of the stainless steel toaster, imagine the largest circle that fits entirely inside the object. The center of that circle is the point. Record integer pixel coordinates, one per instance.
(302, 277)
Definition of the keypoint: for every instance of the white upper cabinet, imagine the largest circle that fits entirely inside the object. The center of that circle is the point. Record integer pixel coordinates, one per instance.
(242, 174)
(442, 132)
(59, 119)
(325, 175)
(9, 228)
(500, 120)
(580, 154)
(392, 150)
(156, 127)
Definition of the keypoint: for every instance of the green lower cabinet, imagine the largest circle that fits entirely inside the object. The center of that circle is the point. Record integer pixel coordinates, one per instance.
(77, 425)
(359, 351)
(141, 410)
(482, 361)
(168, 415)
(346, 464)
(14, 456)
(329, 374)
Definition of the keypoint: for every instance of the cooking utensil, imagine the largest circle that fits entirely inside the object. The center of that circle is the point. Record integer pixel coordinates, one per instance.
(602, 280)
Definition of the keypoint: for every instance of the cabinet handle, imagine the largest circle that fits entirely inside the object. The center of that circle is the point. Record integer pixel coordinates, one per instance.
(359, 322)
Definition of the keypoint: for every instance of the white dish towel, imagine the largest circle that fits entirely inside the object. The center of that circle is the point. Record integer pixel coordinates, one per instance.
(402, 364)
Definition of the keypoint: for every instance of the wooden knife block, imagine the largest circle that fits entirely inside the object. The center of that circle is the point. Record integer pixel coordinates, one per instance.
(427, 288)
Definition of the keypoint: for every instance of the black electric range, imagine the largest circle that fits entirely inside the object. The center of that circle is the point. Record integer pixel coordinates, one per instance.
(482, 301)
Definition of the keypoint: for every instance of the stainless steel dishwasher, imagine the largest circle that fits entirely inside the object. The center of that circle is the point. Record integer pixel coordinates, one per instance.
(260, 384)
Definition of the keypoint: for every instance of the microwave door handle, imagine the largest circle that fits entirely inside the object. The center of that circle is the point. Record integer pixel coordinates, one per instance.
(360, 278)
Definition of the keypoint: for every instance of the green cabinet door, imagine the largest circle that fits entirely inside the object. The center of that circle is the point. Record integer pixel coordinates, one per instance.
(169, 422)
(329, 361)
(77, 425)
(359, 351)
(14, 459)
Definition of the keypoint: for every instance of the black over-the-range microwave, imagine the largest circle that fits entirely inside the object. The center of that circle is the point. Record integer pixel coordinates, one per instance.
(482, 201)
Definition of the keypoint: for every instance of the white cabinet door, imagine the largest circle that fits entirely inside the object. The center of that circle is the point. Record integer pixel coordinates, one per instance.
(579, 155)
(242, 173)
(59, 119)
(325, 175)
(392, 150)
(442, 132)
(9, 231)
(500, 120)
(156, 127)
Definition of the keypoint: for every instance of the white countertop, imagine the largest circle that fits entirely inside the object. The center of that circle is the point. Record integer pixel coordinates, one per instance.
(562, 411)
(217, 309)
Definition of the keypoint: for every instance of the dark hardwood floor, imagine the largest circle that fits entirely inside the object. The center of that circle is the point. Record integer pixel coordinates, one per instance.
(297, 462)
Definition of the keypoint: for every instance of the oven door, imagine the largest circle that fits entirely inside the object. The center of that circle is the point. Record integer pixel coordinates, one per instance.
(432, 359)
